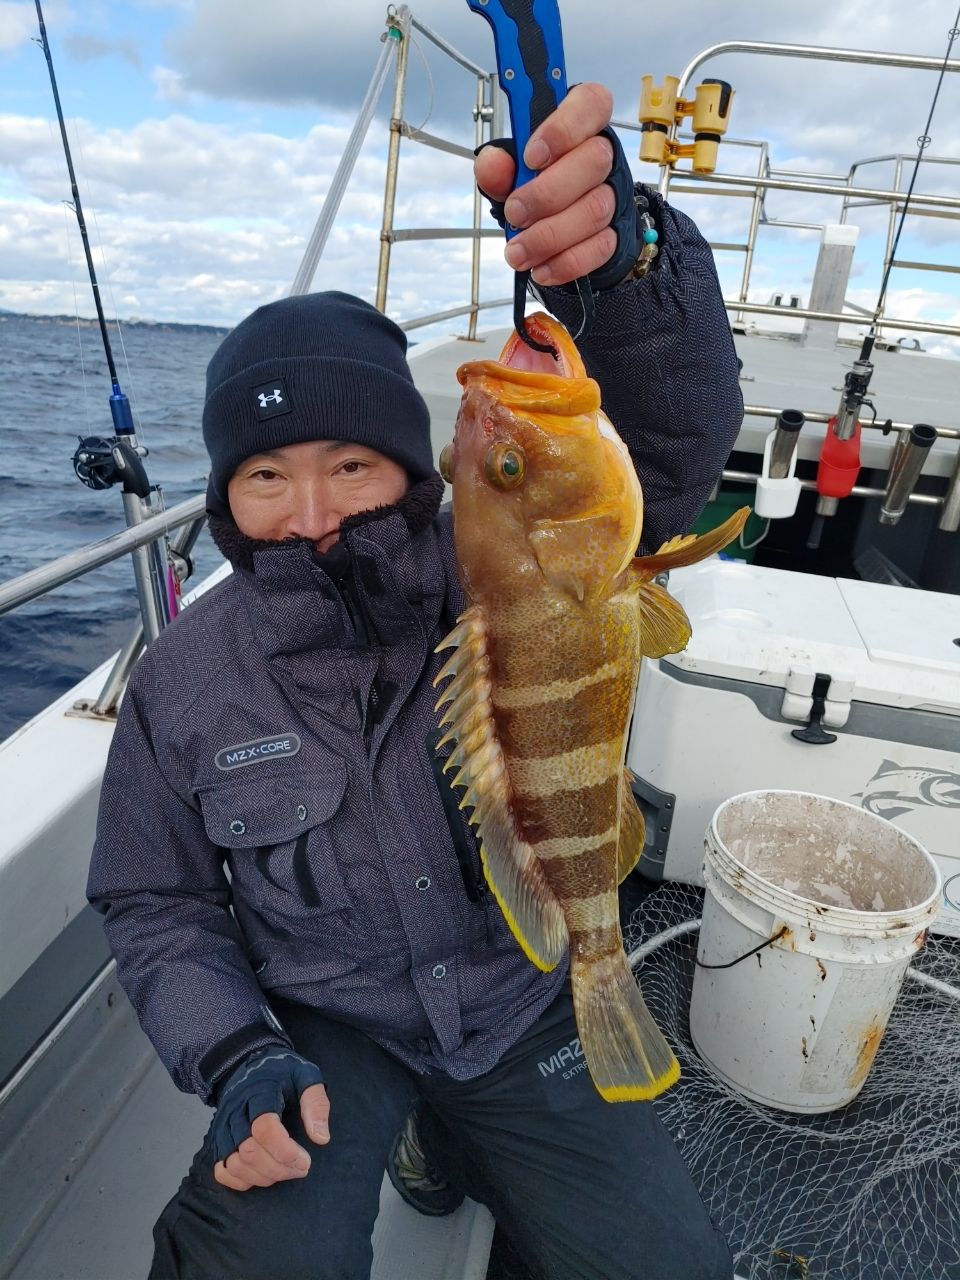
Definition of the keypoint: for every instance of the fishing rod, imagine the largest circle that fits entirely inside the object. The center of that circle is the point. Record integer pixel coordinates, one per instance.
(101, 463)
(839, 463)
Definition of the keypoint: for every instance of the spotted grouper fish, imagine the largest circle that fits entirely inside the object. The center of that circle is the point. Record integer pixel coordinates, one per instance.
(547, 517)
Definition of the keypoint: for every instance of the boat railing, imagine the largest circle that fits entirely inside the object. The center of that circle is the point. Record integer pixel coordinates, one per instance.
(843, 187)
(489, 121)
(488, 117)
(895, 206)
(189, 517)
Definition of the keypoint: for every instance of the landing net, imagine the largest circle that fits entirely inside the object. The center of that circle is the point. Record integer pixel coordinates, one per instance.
(869, 1192)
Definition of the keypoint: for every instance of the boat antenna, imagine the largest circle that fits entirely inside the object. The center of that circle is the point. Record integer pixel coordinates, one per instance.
(923, 142)
(101, 463)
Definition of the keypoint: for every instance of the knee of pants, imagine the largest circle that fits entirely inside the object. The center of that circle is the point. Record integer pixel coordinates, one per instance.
(213, 1236)
(307, 1253)
(318, 1254)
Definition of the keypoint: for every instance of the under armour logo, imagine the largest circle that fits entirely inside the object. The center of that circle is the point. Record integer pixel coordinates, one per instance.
(271, 399)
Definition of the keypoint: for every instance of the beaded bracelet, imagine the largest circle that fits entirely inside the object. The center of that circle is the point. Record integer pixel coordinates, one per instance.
(649, 237)
(648, 253)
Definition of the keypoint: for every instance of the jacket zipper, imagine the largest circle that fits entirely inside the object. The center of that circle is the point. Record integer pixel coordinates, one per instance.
(381, 691)
(464, 844)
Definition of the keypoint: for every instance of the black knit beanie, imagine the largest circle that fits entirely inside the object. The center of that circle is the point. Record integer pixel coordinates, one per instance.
(322, 366)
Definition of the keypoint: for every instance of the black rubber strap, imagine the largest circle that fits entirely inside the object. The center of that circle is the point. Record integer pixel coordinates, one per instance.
(626, 215)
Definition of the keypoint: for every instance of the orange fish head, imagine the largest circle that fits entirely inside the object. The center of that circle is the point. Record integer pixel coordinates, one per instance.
(543, 487)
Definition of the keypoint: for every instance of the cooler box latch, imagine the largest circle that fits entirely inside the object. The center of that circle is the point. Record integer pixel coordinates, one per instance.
(820, 699)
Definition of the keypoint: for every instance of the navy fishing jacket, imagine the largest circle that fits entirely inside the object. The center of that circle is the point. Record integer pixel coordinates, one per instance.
(272, 815)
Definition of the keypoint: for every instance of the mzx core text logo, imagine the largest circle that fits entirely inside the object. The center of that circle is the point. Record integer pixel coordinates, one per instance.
(282, 744)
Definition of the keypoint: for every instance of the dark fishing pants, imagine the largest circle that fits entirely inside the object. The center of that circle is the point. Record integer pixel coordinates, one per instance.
(585, 1189)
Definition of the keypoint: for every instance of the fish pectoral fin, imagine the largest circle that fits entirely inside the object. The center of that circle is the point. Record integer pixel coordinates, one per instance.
(627, 1056)
(663, 624)
(633, 831)
(690, 549)
(517, 882)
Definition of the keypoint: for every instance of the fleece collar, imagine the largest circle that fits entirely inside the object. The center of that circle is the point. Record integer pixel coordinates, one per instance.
(417, 509)
(366, 615)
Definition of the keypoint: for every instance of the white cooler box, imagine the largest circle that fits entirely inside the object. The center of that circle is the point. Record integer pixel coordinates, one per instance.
(875, 668)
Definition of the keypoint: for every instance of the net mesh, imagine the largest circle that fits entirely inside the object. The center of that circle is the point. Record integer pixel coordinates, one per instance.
(868, 1192)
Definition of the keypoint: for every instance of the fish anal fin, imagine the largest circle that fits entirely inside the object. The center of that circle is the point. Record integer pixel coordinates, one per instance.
(627, 1056)
(632, 830)
(521, 890)
(690, 549)
(663, 624)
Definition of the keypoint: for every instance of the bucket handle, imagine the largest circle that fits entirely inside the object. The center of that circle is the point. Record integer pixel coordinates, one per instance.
(747, 954)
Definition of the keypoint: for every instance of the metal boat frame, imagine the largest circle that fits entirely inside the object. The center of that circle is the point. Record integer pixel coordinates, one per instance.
(88, 1008)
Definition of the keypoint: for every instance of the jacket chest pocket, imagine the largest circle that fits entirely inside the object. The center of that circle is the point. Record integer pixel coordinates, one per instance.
(278, 834)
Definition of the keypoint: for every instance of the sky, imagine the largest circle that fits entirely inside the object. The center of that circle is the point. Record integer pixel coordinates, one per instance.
(205, 134)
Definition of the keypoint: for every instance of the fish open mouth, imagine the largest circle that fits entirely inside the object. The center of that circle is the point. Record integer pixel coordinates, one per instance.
(529, 381)
(517, 354)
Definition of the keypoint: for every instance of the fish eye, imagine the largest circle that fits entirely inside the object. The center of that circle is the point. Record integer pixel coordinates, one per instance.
(505, 466)
(445, 463)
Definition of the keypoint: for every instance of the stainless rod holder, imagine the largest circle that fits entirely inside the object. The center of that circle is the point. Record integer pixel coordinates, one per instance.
(149, 567)
(785, 437)
(950, 515)
(909, 455)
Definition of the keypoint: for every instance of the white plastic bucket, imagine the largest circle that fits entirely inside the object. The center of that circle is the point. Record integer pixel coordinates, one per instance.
(796, 1025)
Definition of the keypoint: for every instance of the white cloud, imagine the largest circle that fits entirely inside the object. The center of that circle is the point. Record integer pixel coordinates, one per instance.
(325, 54)
(18, 22)
(201, 222)
(202, 219)
(169, 86)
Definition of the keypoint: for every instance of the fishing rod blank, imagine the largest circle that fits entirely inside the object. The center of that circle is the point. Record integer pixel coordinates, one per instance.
(100, 463)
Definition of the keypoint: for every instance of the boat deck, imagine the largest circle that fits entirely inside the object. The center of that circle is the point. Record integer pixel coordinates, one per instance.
(99, 1139)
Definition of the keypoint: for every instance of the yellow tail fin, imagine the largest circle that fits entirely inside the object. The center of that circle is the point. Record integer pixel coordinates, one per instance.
(627, 1056)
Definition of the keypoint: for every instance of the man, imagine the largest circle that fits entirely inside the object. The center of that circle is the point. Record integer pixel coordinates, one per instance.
(351, 965)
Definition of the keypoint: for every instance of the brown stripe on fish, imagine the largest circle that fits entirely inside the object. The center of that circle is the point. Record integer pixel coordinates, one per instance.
(568, 770)
(597, 946)
(578, 812)
(583, 720)
(534, 648)
(591, 875)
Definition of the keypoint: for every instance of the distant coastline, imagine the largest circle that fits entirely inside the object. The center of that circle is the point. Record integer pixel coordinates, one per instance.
(90, 322)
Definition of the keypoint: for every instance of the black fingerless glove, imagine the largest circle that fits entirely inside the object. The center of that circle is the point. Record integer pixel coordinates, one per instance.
(626, 221)
(266, 1081)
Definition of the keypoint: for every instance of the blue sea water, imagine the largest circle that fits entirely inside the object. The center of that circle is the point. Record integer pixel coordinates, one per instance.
(58, 389)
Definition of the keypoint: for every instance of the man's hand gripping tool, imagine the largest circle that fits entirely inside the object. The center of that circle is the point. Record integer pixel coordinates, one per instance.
(532, 74)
